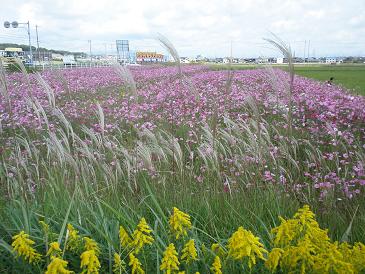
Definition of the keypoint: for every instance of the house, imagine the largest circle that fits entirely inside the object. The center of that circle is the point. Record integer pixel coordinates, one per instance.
(226, 60)
(262, 60)
(280, 60)
(57, 56)
(184, 60)
(218, 60)
(333, 60)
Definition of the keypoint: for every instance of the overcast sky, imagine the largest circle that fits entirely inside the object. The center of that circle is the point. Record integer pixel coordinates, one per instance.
(206, 27)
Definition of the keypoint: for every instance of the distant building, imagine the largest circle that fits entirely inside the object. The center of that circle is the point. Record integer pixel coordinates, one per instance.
(226, 60)
(333, 60)
(313, 60)
(262, 60)
(69, 60)
(200, 58)
(296, 60)
(250, 60)
(218, 60)
(57, 56)
(149, 57)
(41, 56)
(280, 60)
(184, 60)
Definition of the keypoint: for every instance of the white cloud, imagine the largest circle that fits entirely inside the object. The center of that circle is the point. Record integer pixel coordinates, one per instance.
(195, 27)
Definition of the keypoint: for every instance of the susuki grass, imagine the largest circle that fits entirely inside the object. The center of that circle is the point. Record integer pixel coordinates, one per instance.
(236, 150)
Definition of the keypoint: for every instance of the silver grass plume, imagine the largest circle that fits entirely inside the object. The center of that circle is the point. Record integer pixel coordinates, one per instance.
(173, 52)
(23, 70)
(286, 51)
(171, 49)
(4, 87)
(126, 75)
(48, 90)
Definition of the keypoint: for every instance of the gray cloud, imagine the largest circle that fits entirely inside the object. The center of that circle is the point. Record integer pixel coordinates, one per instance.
(195, 27)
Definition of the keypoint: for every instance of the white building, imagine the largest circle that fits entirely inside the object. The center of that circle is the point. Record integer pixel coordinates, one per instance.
(262, 60)
(280, 60)
(57, 56)
(226, 60)
(333, 60)
(184, 60)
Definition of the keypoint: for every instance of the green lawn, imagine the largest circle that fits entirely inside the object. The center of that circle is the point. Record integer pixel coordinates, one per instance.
(350, 76)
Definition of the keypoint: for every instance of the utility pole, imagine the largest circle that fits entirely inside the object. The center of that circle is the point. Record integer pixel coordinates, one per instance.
(30, 44)
(305, 49)
(309, 44)
(112, 50)
(91, 58)
(36, 30)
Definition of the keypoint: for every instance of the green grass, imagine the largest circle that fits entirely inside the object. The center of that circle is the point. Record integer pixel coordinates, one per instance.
(96, 201)
(69, 180)
(350, 76)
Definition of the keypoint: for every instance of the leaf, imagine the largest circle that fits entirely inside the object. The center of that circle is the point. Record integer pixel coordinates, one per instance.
(345, 236)
(65, 220)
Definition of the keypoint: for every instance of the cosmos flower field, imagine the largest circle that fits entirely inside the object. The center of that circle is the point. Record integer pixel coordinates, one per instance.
(103, 147)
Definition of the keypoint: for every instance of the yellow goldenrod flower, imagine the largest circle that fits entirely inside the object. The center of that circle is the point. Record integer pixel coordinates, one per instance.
(124, 238)
(119, 264)
(89, 258)
(331, 260)
(358, 256)
(284, 233)
(57, 266)
(90, 244)
(345, 250)
(244, 244)
(73, 239)
(179, 223)
(306, 248)
(89, 262)
(289, 232)
(273, 260)
(216, 266)
(305, 215)
(218, 250)
(141, 236)
(300, 257)
(23, 246)
(135, 264)
(189, 253)
(54, 249)
(354, 255)
(308, 225)
(170, 261)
